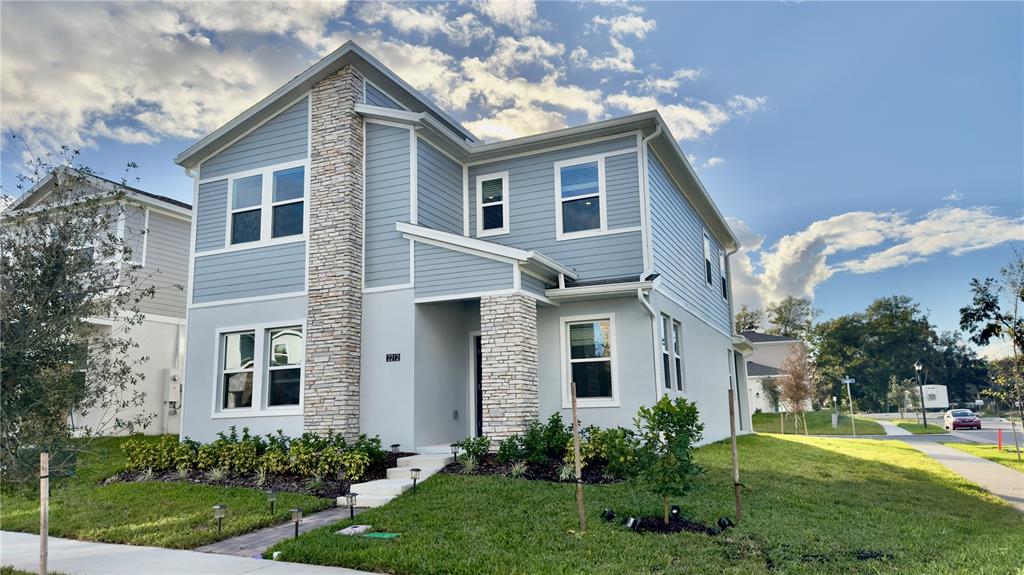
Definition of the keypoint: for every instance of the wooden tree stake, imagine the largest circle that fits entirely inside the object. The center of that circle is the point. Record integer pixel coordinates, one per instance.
(44, 509)
(579, 468)
(735, 460)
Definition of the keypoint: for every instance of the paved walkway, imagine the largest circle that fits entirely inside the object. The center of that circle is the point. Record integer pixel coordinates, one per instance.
(999, 480)
(891, 428)
(21, 550)
(255, 543)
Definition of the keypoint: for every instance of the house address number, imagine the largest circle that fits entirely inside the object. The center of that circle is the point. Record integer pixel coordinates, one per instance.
(393, 357)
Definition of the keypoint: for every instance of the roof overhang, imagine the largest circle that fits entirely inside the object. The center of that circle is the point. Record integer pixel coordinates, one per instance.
(349, 53)
(599, 291)
(742, 345)
(533, 261)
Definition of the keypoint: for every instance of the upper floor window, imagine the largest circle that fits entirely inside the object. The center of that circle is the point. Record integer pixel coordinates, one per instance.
(707, 261)
(580, 191)
(492, 204)
(721, 274)
(267, 205)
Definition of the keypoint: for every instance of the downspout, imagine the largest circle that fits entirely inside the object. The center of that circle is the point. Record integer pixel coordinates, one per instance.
(654, 340)
(644, 181)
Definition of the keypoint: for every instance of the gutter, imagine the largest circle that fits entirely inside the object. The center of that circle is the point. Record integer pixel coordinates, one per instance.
(654, 339)
(645, 194)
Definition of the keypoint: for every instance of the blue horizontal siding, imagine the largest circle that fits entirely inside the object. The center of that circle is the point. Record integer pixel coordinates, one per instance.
(376, 97)
(439, 191)
(252, 272)
(387, 202)
(677, 247)
(211, 215)
(532, 210)
(283, 138)
(531, 284)
(441, 271)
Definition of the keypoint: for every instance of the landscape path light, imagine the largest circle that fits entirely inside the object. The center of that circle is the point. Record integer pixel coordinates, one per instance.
(455, 450)
(219, 511)
(296, 517)
(415, 474)
(394, 447)
(272, 499)
(350, 499)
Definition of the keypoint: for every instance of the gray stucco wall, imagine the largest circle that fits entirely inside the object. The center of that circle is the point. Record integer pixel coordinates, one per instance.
(283, 138)
(201, 366)
(211, 215)
(275, 269)
(387, 202)
(166, 264)
(386, 392)
(439, 189)
(633, 360)
(677, 247)
(440, 271)
(532, 210)
(378, 97)
(442, 371)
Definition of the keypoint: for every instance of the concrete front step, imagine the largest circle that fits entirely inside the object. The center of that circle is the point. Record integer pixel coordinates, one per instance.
(381, 491)
(404, 473)
(425, 461)
(367, 501)
(390, 487)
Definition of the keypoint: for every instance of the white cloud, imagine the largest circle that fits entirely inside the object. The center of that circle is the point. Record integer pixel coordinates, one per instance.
(626, 25)
(620, 61)
(712, 162)
(431, 20)
(671, 83)
(519, 15)
(687, 121)
(740, 104)
(997, 349)
(954, 196)
(513, 123)
(878, 241)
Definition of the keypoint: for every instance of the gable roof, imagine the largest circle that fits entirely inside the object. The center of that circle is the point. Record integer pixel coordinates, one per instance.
(755, 369)
(43, 187)
(758, 337)
(349, 53)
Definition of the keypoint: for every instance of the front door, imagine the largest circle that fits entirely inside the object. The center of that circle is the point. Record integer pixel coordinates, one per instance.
(478, 380)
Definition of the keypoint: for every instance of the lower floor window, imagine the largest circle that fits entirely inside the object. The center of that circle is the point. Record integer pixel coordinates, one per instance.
(590, 359)
(261, 368)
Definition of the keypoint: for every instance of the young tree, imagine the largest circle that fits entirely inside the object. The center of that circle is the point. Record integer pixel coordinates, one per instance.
(772, 391)
(900, 392)
(995, 313)
(749, 319)
(797, 386)
(69, 296)
(791, 316)
(667, 432)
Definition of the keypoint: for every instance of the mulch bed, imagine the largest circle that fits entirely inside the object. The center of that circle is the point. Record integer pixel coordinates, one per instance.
(326, 487)
(593, 473)
(675, 525)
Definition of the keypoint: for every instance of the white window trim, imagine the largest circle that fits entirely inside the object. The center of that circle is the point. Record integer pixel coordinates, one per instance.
(504, 229)
(601, 195)
(709, 278)
(666, 353)
(677, 356)
(584, 403)
(260, 378)
(266, 206)
(723, 291)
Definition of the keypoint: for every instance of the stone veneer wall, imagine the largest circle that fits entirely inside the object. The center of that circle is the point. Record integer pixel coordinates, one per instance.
(508, 335)
(334, 312)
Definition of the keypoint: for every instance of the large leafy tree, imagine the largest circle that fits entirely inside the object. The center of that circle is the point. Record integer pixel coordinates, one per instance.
(790, 316)
(995, 312)
(69, 296)
(749, 319)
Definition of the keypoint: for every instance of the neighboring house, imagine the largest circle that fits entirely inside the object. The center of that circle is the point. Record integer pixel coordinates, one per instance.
(156, 228)
(363, 265)
(764, 364)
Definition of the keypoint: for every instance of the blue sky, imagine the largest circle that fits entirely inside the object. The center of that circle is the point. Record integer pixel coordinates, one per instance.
(859, 149)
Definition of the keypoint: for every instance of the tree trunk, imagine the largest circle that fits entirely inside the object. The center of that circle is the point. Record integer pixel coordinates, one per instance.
(664, 500)
(782, 422)
(805, 424)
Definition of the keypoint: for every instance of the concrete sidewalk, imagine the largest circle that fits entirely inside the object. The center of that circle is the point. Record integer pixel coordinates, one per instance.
(71, 557)
(892, 428)
(256, 542)
(999, 480)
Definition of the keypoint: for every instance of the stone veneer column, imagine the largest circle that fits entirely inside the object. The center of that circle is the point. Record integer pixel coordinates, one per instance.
(508, 337)
(334, 311)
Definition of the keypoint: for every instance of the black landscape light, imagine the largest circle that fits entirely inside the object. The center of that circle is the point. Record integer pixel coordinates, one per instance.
(350, 499)
(455, 450)
(415, 474)
(725, 522)
(272, 499)
(608, 515)
(296, 517)
(394, 447)
(633, 523)
(675, 512)
(219, 511)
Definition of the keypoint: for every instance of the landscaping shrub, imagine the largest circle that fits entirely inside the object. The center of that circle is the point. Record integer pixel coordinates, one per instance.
(615, 448)
(668, 430)
(475, 447)
(510, 450)
(556, 436)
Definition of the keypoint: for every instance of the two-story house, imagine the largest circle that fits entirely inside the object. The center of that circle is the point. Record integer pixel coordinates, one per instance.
(764, 368)
(361, 263)
(156, 230)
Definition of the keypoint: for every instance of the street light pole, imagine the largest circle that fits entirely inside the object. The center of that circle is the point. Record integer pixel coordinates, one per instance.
(853, 422)
(920, 389)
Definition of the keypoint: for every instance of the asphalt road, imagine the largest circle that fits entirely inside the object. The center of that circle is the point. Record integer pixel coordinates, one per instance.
(988, 433)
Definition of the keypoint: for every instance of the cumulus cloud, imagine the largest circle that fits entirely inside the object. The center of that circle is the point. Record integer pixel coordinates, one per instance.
(687, 121)
(425, 19)
(669, 84)
(712, 162)
(954, 196)
(513, 123)
(864, 242)
(626, 25)
(519, 15)
(620, 61)
(741, 105)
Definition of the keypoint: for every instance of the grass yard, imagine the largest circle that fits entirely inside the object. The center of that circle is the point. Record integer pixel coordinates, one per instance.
(162, 514)
(812, 505)
(916, 428)
(818, 423)
(988, 451)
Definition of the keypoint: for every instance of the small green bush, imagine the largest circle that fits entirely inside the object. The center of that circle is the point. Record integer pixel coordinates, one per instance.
(668, 431)
(510, 450)
(475, 447)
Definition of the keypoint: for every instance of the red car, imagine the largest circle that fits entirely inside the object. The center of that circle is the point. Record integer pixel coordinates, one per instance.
(961, 419)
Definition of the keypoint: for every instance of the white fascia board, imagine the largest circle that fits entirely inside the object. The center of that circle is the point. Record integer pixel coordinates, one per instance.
(598, 291)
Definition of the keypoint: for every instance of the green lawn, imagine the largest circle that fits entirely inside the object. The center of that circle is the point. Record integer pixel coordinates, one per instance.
(1007, 456)
(818, 423)
(812, 505)
(162, 514)
(916, 428)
